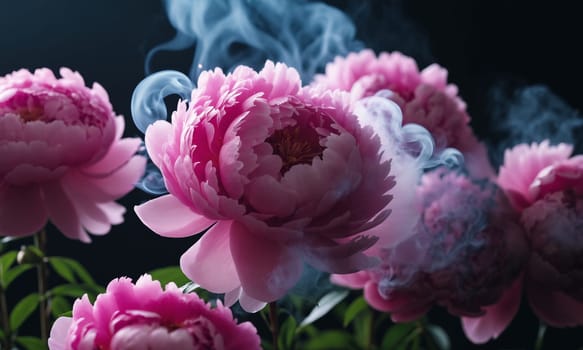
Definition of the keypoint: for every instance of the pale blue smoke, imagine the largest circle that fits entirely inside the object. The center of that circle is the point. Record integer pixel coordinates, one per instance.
(147, 106)
(226, 33)
(410, 141)
(148, 98)
(532, 114)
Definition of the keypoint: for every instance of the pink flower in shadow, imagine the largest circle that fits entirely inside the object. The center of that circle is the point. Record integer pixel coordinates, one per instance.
(280, 176)
(545, 186)
(425, 97)
(144, 316)
(466, 250)
(62, 157)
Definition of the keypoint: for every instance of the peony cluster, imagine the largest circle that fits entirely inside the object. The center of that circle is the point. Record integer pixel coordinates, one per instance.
(425, 98)
(466, 250)
(280, 175)
(545, 185)
(62, 156)
(144, 316)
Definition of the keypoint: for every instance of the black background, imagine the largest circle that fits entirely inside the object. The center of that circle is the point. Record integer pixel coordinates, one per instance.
(477, 41)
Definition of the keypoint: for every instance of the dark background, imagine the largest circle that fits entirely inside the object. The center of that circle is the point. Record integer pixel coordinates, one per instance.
(479, 42)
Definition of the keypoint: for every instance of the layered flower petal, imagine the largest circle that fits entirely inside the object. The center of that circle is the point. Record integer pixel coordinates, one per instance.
(61, 148)
(209, 261)
(22, 210)
(168, 217)
(289, 174)
(145, 316)
(425, 97)
(497, 317)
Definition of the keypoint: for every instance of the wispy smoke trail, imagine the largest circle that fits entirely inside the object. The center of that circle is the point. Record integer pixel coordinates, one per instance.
(531, 114)
(148, 104)
(226, 33)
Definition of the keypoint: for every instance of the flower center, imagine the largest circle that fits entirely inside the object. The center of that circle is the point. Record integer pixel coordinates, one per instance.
(296, 145)
(30, 114)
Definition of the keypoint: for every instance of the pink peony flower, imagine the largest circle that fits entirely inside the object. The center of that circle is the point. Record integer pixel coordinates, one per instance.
(144, 316)
(61, 156)
(425, 97)
(546, 187)
(281, 174)
(466, 251)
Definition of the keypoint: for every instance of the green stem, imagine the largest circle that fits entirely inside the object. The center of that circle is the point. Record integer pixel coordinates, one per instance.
(7, 343)
(371, 344)
(542, 328)
(274, 323)
(40, 241)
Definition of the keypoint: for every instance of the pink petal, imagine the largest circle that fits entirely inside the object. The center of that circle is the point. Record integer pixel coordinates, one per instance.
(555, 308)
(95, 217)
(62, 212)
(403, 307)
(347, 257)
(22, 211)
(250, 304)
(119, 153)
(268, 196)
(168, 217)
(58, 338)
(157, 136)
(209, 262)
(122, 181)
(355, 280)
(498, 316)
(267, 270)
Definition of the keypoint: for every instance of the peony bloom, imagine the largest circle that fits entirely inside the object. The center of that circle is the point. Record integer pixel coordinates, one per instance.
(425, 97)
(546, 186)
(466, 251)
(281, 175)
(62, 157)
(146, 317)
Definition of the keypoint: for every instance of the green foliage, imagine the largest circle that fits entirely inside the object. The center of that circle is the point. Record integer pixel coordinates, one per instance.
(59, 306)
(398, 336)
(23, 309)
(6, 260)
(287, 333)
(333, 339)
(324, 305)
(31, 343)
(169, 274)
(438, 336)
(354, 309)
(70, 270)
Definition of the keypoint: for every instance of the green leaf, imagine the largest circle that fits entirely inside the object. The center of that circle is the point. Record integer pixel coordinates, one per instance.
(169, 274)
(363, 328)
(71, 270)
(59, 306)
(396, 337)
(76, 290)
(439, 336)
(62, 269)
(6, 261)
(325, 304)
(266, 344)
(14, 272)
(189, 288)
(1, 334)
(31, 343)
(354, 309)
(287, 333)
(334, 339)
(69, 290)
(80, 271)
(23, 309)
